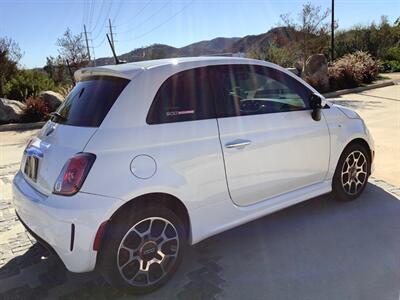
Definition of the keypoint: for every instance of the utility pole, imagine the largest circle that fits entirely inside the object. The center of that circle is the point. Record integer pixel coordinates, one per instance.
(87, 42)
(111, 33)
(333, 31)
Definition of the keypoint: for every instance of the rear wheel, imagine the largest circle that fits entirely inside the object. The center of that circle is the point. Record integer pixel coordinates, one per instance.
(352, 172)
(143, 249)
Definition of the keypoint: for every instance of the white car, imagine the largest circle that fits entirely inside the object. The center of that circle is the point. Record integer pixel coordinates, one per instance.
(145, 158)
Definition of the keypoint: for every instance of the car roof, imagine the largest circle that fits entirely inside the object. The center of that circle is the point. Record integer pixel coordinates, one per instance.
(130, 70)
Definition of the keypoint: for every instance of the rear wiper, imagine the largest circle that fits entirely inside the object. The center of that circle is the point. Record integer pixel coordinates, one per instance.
(57, 115)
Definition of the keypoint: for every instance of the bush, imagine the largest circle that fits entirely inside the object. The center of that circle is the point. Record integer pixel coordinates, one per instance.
(27, 83)
(36, 110)
(391, 66)
(393, 53)
(352, 70)
(391, 61)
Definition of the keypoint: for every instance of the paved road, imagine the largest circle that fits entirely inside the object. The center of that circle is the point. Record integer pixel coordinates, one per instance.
(319, 249)
(380, 109)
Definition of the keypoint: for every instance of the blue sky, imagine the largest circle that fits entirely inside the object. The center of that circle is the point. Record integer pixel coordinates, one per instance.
(36, 25)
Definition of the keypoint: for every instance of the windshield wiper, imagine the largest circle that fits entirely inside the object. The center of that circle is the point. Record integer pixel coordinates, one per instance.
(57, 115)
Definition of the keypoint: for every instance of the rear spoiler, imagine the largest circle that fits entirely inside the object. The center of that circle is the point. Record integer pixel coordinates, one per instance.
(104, 71)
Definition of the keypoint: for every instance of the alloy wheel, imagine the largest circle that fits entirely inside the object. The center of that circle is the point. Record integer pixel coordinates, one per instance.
(148, 251)
(354, 173)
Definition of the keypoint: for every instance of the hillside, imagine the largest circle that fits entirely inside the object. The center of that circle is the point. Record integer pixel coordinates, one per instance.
(214, 46)
(281, 36)
(209, 47)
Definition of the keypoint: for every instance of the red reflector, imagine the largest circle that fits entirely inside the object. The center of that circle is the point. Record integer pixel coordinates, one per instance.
(99, 236)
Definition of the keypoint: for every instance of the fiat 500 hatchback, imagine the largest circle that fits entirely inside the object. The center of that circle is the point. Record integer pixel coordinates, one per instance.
(142, 159)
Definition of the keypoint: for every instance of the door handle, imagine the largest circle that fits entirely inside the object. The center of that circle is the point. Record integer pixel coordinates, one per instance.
(238, 144)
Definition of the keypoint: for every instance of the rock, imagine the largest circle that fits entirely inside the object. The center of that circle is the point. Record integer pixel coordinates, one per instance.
(316, 71)
(52, 99)
(11, 110)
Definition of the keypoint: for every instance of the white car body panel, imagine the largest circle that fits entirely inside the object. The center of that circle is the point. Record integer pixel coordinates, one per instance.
(187, 159)
(288, 151)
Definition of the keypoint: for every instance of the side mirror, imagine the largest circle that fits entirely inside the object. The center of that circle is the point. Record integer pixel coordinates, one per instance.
(316, 105)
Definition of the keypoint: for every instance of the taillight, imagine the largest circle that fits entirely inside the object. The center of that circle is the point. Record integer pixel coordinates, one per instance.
(73, 174)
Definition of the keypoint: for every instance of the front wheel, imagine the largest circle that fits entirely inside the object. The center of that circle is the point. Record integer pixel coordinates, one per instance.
(351, 174)
(143, 249)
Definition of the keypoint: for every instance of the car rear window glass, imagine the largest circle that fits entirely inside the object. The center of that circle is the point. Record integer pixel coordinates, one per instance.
(185, 96)
(89, 101)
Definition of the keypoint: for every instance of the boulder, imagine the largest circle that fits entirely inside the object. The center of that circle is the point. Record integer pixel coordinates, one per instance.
(11, 110)
(316, 71)
(52, 99)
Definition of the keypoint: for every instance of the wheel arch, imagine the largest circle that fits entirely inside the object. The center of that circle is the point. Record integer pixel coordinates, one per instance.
(163, 199)
(364, 143)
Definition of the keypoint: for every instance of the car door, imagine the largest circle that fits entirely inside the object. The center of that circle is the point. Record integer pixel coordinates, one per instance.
(270, 143)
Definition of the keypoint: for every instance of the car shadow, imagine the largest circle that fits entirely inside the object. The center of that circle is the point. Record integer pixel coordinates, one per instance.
(357, 104)
(318, 249)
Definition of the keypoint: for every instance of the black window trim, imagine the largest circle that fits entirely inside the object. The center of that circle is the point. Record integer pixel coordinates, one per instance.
(214, 105)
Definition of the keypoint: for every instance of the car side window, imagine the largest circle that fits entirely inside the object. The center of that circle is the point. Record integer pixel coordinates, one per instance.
(249, 89)
(185, 96)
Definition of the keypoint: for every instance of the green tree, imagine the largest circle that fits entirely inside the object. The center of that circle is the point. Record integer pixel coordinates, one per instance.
(374, 38)
(72, 48)
(10, 54)
(27, 83)
(282, 56)
(312, 30)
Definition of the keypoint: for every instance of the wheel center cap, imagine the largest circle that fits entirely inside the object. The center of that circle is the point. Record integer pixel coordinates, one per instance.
(148, 251)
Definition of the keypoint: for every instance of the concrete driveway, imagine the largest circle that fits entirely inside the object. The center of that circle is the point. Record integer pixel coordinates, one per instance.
(380, 109)
(318, 249)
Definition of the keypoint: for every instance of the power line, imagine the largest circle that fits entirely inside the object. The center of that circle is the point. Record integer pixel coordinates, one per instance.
(118, 11)
(148, 19)
(161, 24)
(99, 15)
(101, 43)
(136, 15)
(84, 12)
(103, 25)
(91, 12)
(111, 34)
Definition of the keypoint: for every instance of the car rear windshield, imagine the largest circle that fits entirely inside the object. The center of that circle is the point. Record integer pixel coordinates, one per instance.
(89, 101)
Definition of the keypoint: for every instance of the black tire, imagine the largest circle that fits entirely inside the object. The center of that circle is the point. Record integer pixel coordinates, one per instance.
(340, 190)
(111, 255)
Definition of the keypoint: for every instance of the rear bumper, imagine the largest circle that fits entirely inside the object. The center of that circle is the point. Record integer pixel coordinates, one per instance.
(67, 225)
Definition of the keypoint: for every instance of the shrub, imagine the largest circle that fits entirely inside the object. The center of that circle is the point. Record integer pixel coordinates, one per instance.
(393, 53)
(27, 83)
(391, 66)
(36, 110)
(352, 70)
(391, 61)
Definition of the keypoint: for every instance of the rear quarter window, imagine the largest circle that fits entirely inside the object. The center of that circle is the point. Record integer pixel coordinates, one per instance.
(89, 101)
(185, 96)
